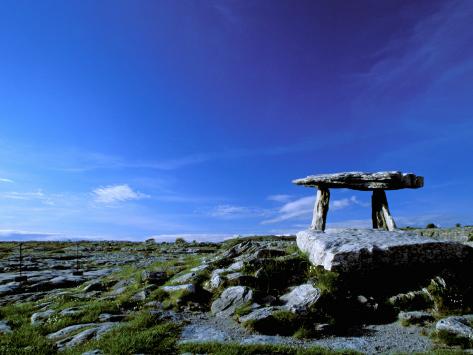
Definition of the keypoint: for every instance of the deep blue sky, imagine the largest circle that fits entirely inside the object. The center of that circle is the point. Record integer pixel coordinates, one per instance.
(125, 119)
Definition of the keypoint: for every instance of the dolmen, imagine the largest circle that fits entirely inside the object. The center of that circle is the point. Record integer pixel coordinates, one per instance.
(383, 253)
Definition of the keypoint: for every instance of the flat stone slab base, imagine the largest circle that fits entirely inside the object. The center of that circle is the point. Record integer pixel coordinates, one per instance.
(364, 250)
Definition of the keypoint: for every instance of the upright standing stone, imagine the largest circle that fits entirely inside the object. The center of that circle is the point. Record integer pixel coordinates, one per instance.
(321, 209)
(381, 216)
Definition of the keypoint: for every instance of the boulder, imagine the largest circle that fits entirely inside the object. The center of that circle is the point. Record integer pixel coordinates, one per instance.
(190, 288)
(140, 296)
(9, 288)
(216, 280)
(41, 317)
(365, 250)
(413, 300)
(457, 326)
(107, 317)
(415, 317)
(257, 315)
(68, 330)
(95, 286)
(230, 299)
(185, 278)
(71, 311)
(301, 298)
(4, 327)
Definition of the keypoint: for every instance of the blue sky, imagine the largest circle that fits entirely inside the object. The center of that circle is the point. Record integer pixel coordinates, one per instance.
(127, 119)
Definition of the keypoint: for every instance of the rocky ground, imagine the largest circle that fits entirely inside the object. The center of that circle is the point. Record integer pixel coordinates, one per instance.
(244, 296)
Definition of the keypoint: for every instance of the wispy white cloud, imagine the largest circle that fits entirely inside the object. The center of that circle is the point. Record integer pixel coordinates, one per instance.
(28, 196)
(231, 212)
(279, 198)
(294, 209)
(117, 193)
(304, 206)
(6, 180)
(346, 202)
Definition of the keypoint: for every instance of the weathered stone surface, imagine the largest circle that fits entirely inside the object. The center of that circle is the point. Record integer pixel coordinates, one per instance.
(4, 327)
(107, 317)
(202, 333)
(9, 288)
(185, 278)
(188, 287)
(40, 317)
(362, 250)
(413, 300)
(321, 209)
(301, 298)
(92, 333)
(68, 330)
(415, 317)
(216, 280)
(71, 311)
(386, 180)
(257, 315)
(230, 299)
(95, 286)
(456, 325)
(93, 352)
(140, 296)
(381, 216)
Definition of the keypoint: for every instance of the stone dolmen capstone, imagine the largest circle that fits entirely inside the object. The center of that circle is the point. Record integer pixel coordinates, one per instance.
(375, 182)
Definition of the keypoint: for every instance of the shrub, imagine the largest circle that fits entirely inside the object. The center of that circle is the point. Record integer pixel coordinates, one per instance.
(180, 241)
(452, 339)
(430, 225)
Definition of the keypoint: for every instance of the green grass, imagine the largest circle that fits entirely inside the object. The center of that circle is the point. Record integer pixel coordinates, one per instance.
(216, 348)
(280, 322)
(143, 334)
(451, 339)
(243, 310)
(26, 340)
(327, 281)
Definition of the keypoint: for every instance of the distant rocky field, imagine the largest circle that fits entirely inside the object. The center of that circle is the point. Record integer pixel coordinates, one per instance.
(255, 295)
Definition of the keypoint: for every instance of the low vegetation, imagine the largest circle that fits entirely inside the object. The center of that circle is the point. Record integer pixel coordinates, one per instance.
(216, 348)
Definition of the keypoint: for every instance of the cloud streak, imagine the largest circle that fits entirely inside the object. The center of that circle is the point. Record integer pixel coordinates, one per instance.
(303, 207)
(117, 193)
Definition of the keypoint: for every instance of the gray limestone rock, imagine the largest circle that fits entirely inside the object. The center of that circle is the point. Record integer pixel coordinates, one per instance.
(9, 288)
(64, 332)
(202, 333)
(357, 180)
(301, 298)
(361, 250)
(230, 299)
(93, 352)
(41, 317)
(140, 296)
(184, 279)
(457, 326)
(107, 317)
(71, 311)
(4, 327)
(187, 287)
(415, 317)
(154, 277)
(257, 315)
(95, 286)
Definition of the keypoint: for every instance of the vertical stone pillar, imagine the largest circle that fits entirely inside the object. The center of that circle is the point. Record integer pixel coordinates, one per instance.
(321, 209)
(380, 214)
